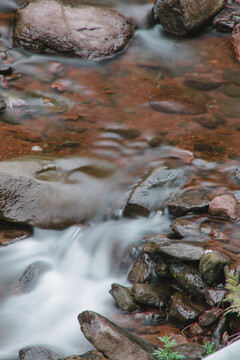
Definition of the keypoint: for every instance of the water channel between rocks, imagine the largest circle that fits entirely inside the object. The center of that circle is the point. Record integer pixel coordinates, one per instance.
(61, 106)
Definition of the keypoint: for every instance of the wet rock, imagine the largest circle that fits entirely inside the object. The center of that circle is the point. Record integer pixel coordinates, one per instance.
(232, 76)
(214, 296)
(189, 279)
(112, 340)
(185, 156)
(85, 31)
(175, 249)
(226, 20)
(123, 297)
(162, 270)
(224, 206)
(31, 276)
(192, 351)
(6, 70)
(230, 107)
(179, 100)
(185, 227)
(183, 17)
(38, 353)
(232, 90)
(51, 192)
(218, 332)
(125, 133)
(189, 201)
(154, 191)
(209, 317)
(201, 82)
(207, 122)
(235, 40)
(90, 355)
(183, 310)
(151, 294)
(141, 270)
(195, 329)
(2, 104)
(211, 266)
(13, 232)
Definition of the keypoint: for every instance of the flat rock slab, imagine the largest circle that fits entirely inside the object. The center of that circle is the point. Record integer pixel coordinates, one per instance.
(113, 341)
(2, 104)
(86, 31)
(51, 192)
(182, 17)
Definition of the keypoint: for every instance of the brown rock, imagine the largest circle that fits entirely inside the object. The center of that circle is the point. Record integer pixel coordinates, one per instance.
(141, 270)
(209, 317)
(114, 342)
(185, 227)
(85, 31)
(123, 297)
(10, 232)
(224, 206)
(191, 351)
(201, 81)
(190, 200)
(182, 17)
(214, 296)
(151, 294)
(211, 266)
(2, 104)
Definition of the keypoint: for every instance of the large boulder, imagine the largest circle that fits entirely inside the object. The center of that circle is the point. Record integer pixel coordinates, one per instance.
(182, 17)
(114, 342)
(89, 32)
(51, 192)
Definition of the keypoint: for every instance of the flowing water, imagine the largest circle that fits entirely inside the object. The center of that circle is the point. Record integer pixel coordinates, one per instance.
(65, 106)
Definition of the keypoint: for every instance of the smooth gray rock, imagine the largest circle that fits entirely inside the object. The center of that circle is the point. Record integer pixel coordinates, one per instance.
(211, 266)
(31, 276)
(38, 353)
(89, 32)
(123, 297)
(151, 294)
(114, 342)
(189, 201)
(189, 279)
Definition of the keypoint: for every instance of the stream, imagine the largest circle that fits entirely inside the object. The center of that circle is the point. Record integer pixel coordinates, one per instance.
(65, 106)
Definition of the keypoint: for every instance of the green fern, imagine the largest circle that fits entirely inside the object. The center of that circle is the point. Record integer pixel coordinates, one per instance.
(167, 353)
(209, 348)
(233, 296)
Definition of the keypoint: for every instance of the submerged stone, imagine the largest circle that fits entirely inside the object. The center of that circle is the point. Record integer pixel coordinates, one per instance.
(31, 276)
(51, 192)
(154, 191)
(123, 297)
(230, 107)
(201, 82)
(113, 341)
(151, 294)
(189, 201)
(89, 32)
(185, 227)
(182, 17)
(179, 100)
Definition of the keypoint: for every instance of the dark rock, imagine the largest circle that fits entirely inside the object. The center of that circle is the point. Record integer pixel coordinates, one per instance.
(31, 276)
(189, 201)
(232, 76)
(201, 82)
(154, 191)
(235, 40)
(211, 266)
(2, 104)
(151, 294)
(126, 133)
(162, 270)
(183, 310)
(182, 17)
(38, 353)
(176, 249)
(230, 107)
(141, 270)
(214, 296)
(123, 297)
(195, 329)
(48, 192)
(189, 279)
(10, 232)
(6, 70)
(218, 332)
(85, 31)
(226, 20)
(209, 317)
(224, 206)
(192, 351)
(185, 227)
(179, 100)
(90, 355)
(207, 122)
(114, 342)
(232, 90)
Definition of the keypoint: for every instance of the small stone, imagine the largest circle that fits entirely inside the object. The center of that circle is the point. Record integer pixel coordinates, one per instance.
(185, 227)
(10, 232)
(38, 353)
(235, 40)
(185, 156)
(31, 276)
(2, 104)
(162, 270)
(211, 266)
(123, 297)
(230, 107)
(183, 310)
(201, 82)
(192, 351)
(189, 279)
(195, 329)
(207, 122)
(214, 296)
(90, 355)
(224, 206)
(209, 317)
(6, 70)
(141, 270)
(232, 90)
(189, 201)
(232, 76)
(151, 294)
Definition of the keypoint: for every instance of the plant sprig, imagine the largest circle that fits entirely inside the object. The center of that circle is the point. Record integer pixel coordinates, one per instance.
(167, 352)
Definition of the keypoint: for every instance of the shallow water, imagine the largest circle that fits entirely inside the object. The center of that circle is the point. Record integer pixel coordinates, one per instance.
(66, 106)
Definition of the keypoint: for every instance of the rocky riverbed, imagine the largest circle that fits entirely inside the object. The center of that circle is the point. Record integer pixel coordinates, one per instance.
(120, 116)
